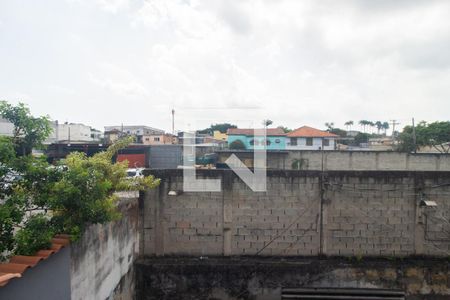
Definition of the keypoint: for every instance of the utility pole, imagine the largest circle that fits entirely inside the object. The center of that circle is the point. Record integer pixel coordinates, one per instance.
(173, 125)
(414, 136)
(393, 123)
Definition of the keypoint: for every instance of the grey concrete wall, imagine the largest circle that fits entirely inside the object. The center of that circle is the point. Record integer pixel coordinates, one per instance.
(343, 213)
(351, 160)
(264, 279)
(102, 261)
(48, 280)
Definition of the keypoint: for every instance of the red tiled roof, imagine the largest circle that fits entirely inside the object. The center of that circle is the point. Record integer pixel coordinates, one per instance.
(306, 131)
(18, 264)
(251, 132)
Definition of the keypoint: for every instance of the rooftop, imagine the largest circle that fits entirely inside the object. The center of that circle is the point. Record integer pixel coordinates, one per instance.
(306, 131)
(18, 264)
(252, 132)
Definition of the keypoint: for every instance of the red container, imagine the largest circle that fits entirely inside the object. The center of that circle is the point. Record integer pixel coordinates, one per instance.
(134, 160)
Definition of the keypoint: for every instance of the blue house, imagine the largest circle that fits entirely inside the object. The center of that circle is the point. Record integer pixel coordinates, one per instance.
(275, 138)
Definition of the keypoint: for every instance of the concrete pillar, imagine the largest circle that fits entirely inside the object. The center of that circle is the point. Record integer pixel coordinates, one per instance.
(227, 209)
(160, 224)
(419, 226)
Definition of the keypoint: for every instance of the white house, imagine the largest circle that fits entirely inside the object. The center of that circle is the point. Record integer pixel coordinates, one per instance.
(61, 132)
(6, 127)
(308, 138)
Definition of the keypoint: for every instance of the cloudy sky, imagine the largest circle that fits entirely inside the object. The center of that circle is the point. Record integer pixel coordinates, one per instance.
(107, 62)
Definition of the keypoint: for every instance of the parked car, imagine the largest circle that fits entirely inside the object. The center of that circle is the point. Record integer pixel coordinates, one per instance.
(135, 172)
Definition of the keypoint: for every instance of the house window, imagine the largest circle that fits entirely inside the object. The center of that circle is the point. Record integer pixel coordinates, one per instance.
(147, 139)
(277, 141)
(156, 139)
(326, 142)
(309, 141)
(293, 141)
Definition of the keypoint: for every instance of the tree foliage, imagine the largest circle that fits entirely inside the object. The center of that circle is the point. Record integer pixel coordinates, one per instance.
(29, 132)
(38, 200)
(222, 127)
(285, 129)
(435, 135)
(267, 123)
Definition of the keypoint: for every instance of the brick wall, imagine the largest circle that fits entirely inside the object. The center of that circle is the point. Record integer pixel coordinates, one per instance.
(303, 213)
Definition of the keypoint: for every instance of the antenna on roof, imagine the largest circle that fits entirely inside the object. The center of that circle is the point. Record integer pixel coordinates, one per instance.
(173, 124)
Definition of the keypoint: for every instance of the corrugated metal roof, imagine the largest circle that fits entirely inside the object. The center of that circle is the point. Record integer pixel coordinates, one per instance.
(18, 264)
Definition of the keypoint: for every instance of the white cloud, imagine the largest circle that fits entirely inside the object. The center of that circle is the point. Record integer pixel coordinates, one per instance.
(296, 62)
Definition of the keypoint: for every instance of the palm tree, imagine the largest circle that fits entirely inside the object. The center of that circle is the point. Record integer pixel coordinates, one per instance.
(371, 124)
(385, 127)
(329, 125)
(267, 123)
(364, 123)
(379, 126)
(349, 124)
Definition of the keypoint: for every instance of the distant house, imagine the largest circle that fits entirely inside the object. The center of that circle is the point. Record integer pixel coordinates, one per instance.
(61, 132)
(143, 134)
(112, 135)
(159, 139)
(220, 136)
(308, 138)
(275, 138)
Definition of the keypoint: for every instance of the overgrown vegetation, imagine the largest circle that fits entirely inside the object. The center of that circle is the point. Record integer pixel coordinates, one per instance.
(300, 164)
(38, 200)
(435, 135)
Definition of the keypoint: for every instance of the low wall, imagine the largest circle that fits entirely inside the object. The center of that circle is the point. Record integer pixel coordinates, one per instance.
(102, 261)
(348, 160)
(303, 213)
(98, 266)
(258, 279)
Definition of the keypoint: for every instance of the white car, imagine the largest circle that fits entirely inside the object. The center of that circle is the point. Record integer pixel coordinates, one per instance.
(135, 172)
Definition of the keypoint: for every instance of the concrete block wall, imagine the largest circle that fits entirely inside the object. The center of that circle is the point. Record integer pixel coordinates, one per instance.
(350, 160)
(302, 213)
(367, 160)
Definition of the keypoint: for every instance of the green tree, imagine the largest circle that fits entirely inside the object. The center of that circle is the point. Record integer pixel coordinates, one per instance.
(360, 138)
(285, 129)
(267, 123)
(222, 127)
(435, 135)
(385, 127)
(339, 132)
(364, 124)
(38, 200)
(6, 149)
(237, 145)
(29, 132)
(349, 125)
(329, 126)
(379, 126)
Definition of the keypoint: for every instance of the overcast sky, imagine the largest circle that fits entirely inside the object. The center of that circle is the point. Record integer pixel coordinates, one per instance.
(297, 63)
